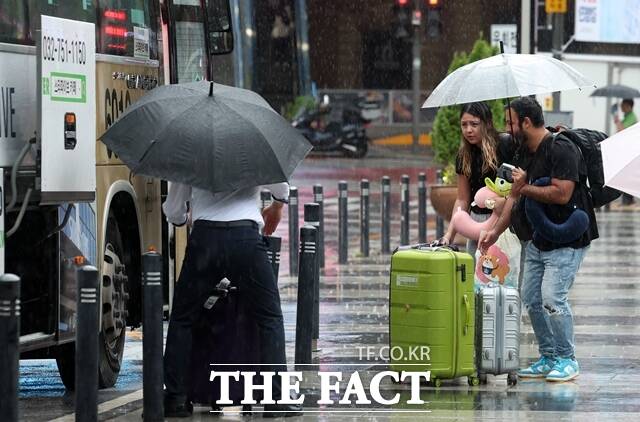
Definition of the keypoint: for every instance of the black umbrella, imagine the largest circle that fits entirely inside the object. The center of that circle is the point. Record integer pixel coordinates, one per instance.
(616, 91)
(207, 135)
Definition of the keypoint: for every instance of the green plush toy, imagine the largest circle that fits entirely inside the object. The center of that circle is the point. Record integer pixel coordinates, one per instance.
(500, 186)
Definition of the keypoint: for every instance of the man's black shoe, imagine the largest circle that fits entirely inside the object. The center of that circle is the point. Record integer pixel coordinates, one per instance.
(281, 410)
(177, 409)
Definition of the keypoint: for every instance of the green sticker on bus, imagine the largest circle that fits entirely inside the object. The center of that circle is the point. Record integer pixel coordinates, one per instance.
(66, 87)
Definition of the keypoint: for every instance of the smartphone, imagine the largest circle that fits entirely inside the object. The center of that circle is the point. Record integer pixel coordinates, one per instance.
(614, 109)
(505, 171)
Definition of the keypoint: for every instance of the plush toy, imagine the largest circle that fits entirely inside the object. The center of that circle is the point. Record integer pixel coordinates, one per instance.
(484, 198)
(563, 233)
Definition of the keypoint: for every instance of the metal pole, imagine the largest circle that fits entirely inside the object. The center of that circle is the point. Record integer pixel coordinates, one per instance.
(273, 253)
(318, 198)
(422, 208)
(343, 221)
(88, 327)
(311, 218)
(294, 241)
(439, 220)
(416, 64)
(306, 293)
(265, 198)
(152, 370)
(385, 214)
(9, 346)
(364, 217)
(558, 39)
(404, 210)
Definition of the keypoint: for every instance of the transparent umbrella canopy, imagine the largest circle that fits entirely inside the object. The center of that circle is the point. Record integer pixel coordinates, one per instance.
(506, 76)
(621, 160)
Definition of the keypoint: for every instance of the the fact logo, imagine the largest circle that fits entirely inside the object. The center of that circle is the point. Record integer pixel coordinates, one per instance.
(330, 382)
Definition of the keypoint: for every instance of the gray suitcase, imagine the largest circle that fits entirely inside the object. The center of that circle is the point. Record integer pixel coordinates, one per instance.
(498, 333)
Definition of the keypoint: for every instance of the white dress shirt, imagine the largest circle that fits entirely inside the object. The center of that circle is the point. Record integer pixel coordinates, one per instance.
(241, 204)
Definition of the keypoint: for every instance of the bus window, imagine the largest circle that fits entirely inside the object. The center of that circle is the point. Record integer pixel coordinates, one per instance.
(190, 48)
(127, 28)
(19, 19)
(14, 22)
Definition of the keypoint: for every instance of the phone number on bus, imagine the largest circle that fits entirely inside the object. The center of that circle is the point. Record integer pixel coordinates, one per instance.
(64, 51)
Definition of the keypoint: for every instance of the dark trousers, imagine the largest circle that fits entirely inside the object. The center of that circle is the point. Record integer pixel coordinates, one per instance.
(240, 254)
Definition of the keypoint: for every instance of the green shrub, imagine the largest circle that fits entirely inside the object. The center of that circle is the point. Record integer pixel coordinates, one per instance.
(446, 135)
(292, 108)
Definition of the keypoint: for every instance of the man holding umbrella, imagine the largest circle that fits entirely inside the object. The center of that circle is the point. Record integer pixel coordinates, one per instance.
(225, 242)
(218, 144)
(550, 266)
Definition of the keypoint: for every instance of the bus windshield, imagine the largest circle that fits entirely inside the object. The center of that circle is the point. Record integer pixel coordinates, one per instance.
(123, 27)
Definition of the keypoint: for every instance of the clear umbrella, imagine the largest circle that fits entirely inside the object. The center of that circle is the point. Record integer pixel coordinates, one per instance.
(506, 76)
(621, 160)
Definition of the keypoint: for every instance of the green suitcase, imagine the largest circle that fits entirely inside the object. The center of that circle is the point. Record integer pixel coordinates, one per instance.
(431, 313)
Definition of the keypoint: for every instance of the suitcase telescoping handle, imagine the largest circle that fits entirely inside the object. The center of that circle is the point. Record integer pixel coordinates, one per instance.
(467, 308)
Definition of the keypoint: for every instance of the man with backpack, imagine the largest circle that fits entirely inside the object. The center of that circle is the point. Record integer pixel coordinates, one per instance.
(550, 267)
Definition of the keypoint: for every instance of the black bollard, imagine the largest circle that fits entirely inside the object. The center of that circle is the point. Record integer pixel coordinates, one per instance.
(422, 208)
(306, 294)
(152, 370)
(364, 217)
(439, 220)
(273, 253)
(265, 198)
(343, 222)
(294, 241)
(318, 198)
(311, 217)
(404, 210)
(385, 214)
(88, 327)
(9, 346)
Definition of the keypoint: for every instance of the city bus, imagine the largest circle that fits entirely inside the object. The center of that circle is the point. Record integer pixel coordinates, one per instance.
(139, 45)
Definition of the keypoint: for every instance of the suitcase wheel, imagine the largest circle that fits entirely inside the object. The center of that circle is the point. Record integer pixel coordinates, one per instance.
(512, 379)
(483, 378)
(436, 382)
(473, 381)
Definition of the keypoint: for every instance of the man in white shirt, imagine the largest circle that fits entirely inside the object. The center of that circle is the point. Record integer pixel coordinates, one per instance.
(225, 242)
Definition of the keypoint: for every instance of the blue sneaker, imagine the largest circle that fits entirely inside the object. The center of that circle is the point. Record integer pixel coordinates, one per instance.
(538, 369)
(564, 370)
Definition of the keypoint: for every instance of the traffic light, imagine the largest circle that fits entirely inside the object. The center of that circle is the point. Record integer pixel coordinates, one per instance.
(434, 23)
(402, 9)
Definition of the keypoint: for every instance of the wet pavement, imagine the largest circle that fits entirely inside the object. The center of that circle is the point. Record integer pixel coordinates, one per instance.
(354, 317)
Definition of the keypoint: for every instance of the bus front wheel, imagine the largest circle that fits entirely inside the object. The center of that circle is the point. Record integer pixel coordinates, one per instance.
(114, 306)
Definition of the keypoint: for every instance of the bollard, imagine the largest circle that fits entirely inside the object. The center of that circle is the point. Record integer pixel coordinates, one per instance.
(294, 240)
(422, 208)
(311, 217)
(265, 199)
(318, 198)
(152, 370)
(306, 294)
(439, 220)
(88, 327)
(343, 221)
(364, 217)
(404, 210)
(273, 253)
(385, 215)
(9, 346)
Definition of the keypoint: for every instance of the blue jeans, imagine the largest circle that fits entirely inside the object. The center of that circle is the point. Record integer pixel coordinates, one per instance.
(547, 280)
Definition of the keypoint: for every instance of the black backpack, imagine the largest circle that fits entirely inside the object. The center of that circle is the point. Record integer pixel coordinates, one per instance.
(588, 142)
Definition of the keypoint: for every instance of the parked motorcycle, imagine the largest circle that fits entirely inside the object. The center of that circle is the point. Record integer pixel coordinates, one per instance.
(347, 136)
